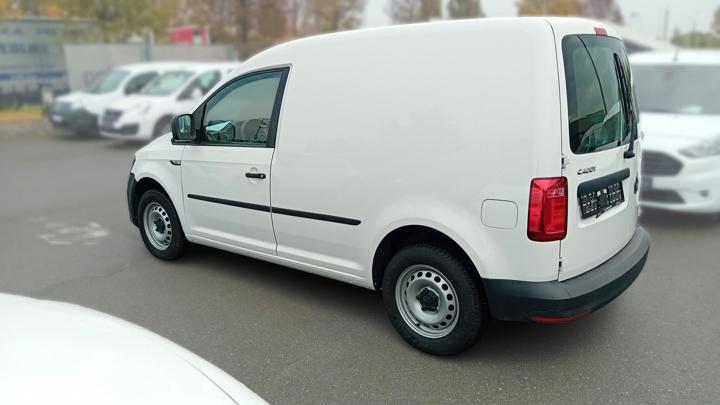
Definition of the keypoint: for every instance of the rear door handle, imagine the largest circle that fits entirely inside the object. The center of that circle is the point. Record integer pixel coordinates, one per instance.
(255, 175)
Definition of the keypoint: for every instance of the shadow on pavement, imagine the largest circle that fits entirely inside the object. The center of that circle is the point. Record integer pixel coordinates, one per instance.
(125, 145)
(502, 341)
(73, 137)
(671, 219)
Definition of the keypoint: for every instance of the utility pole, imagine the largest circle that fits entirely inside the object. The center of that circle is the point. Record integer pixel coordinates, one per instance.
(666, 24)
(693, 35)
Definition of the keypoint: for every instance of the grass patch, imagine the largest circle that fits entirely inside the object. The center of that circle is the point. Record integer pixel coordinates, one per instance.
(26, 114)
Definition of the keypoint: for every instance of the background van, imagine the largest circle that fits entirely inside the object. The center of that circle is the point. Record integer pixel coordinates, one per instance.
(147, 114)
(79, 111)
(680, 108)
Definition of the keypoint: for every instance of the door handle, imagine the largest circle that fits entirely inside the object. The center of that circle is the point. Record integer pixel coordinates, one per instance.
(255, 175)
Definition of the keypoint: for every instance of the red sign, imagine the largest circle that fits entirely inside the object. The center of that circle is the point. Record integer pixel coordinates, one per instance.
(192, 35)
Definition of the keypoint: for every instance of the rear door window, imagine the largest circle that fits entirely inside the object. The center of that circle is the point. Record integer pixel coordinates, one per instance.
(599, 113)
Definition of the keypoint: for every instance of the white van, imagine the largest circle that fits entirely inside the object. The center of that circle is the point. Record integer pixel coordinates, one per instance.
(468, 169)
(79, 111)
(680, 114)
(147, 114)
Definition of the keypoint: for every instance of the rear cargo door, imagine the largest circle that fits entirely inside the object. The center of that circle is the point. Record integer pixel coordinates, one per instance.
(600, 119)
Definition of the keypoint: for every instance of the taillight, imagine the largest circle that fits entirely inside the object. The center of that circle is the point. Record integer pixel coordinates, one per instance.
(601, 31)
(547, 214)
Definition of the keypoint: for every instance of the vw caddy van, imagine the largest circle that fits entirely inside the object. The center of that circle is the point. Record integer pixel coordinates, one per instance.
(469, 170)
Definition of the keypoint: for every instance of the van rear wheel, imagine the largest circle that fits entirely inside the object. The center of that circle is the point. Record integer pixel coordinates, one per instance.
(433, 300)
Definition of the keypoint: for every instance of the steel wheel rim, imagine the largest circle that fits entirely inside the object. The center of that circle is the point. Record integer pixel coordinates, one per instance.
(158, 227)
(417, 290)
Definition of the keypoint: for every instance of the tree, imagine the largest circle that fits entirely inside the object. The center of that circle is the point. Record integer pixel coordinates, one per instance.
(605, 10)
(464, 9)
(333, 15)
(696, 40)
(7, 8)
(408, 11)
(271, 19)
(716, 22)
(119, 22)
(19, 8)
(295, 10)
(550, 7)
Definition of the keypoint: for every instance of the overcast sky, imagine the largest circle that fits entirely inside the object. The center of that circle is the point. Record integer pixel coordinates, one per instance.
(641, 15)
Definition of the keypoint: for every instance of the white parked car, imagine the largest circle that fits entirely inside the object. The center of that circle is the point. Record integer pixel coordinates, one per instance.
(464, 175)
(678, 96)
(79, 111)
(58, 353)
(147, 115)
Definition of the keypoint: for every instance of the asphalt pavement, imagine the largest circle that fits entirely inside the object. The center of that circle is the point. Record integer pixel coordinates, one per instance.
(295, 338)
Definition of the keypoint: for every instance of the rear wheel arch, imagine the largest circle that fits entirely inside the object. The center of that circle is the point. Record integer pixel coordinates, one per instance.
(415, 234)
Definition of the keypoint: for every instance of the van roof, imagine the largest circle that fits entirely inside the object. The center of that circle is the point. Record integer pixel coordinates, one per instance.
(683, 57)
(190, 65)
(415, 33)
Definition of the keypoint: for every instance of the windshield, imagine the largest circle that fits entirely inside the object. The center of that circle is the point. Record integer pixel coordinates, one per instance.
(166, 83)
(678, 89)
(109, 81)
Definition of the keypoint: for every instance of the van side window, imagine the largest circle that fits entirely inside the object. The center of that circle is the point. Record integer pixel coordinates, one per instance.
(137, 83)
(202, 84)
(241, 113)
(595, 101)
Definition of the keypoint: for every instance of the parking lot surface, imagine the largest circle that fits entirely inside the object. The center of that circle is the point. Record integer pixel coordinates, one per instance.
(295, 338)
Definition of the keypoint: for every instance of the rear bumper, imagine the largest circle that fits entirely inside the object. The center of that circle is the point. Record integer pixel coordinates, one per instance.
(558, 301)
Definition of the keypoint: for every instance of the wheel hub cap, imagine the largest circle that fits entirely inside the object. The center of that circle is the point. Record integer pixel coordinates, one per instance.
(158, 228)
(159, 225)
(427, 301)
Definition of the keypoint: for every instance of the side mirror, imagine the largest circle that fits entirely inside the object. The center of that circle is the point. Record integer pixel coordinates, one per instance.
(182, 128)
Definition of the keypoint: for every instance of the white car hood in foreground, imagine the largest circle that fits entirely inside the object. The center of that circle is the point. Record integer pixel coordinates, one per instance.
(56, 353)
(699, 127)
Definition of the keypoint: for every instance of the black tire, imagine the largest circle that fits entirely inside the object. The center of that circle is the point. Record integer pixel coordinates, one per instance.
(472, 311)
(162, 127)
(177, 242)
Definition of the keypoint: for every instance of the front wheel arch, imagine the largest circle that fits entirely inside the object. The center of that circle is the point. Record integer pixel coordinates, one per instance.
(142, 186)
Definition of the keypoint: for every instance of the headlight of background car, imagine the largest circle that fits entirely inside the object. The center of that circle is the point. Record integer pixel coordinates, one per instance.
(711, 147)
(141, 108)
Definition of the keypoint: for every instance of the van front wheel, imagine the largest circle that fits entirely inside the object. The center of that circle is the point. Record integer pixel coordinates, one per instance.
(160, 226)
(433, 300)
